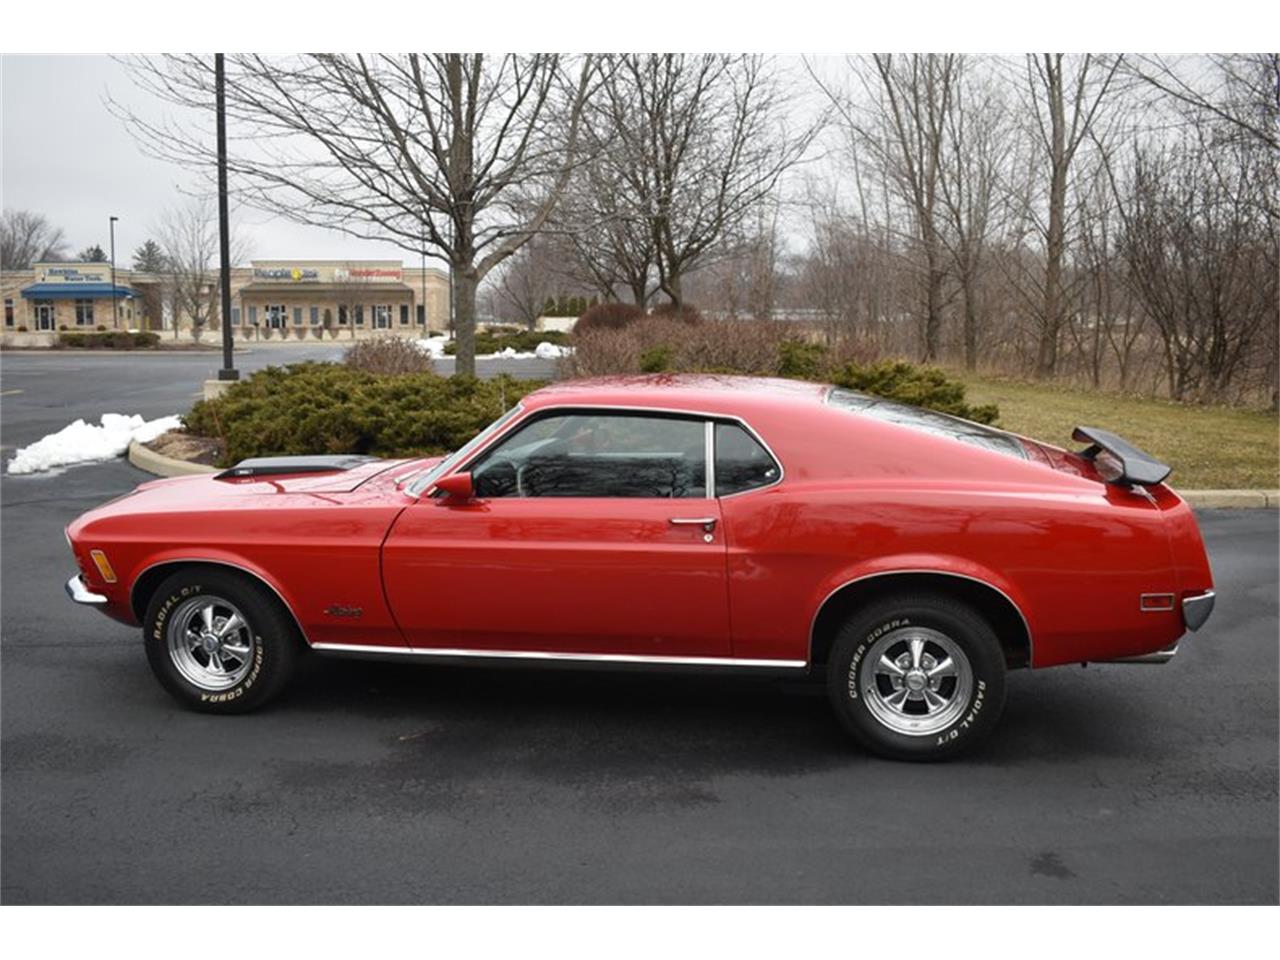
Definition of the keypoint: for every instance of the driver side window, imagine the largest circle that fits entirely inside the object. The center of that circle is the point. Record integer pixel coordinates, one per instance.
(597, 455)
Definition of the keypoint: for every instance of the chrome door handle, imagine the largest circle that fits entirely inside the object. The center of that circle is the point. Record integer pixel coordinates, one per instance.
(707, 523)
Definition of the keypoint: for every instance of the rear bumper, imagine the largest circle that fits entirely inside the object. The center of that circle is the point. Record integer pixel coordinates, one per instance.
(1196, 610)
(78, 592)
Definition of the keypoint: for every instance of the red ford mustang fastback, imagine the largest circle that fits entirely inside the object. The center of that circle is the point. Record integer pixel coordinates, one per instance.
(676, 522)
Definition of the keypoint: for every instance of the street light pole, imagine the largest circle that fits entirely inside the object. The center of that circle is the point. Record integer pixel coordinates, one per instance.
(228, 371)
(115, 310)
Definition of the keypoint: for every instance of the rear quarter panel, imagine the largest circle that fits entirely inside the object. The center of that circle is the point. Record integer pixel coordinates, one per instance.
(860, 499)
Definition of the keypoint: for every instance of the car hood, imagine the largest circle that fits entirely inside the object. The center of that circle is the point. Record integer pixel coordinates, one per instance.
(372, 480)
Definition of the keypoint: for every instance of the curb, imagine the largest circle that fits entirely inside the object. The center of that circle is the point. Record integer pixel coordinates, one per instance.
(144, 458)
(1231, 499)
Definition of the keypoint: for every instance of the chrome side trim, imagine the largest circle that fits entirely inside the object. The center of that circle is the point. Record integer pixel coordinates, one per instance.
(1031, 644)
(709, 453)
(220, 563)
(1157, 657)
(1196, 610)
(80, 593)
(459, 653)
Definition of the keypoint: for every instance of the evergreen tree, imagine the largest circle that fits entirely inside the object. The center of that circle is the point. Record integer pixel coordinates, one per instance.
(93, 254)
(149, 258)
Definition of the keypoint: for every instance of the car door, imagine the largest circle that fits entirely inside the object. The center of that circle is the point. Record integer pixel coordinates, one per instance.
(592, 532)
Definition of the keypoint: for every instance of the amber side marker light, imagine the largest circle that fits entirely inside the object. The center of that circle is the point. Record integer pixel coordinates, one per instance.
(104, 565)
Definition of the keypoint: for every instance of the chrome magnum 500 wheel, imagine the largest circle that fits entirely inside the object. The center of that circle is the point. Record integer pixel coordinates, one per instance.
(917, 677)
(219, 641)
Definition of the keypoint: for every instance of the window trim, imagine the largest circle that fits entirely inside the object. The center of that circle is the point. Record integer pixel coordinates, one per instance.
(709, 418)
(738, 421)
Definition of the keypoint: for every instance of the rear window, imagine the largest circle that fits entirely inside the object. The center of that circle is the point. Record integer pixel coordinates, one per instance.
(928, 421)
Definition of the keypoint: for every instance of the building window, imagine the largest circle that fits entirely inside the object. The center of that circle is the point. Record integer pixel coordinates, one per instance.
(8, 312)
(382, 316)
(253, 316)
(315, 316)
(359, 312)
(297, 316)
(422, 314)
(404, 314)
(277, 315)
(84, 313)
(342, 316)
(235, 316)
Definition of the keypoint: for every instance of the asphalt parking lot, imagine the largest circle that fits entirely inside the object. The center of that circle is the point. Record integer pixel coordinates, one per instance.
(394, 784)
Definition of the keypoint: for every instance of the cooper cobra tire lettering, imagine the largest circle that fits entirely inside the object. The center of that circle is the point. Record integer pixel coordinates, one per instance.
(862, 648)
(277, 643)
(962, 626)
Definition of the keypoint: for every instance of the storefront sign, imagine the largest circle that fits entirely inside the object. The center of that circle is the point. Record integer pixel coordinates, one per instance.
(73, 275)
(296, 274)
(345, 274)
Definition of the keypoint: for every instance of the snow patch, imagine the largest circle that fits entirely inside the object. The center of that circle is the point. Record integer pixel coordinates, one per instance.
(82, 442)
(434, 348)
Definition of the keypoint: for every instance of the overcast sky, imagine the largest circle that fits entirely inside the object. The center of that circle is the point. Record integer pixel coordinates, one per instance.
(66, 156)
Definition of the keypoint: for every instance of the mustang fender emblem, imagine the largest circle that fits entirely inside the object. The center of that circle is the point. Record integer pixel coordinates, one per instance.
(339, 610)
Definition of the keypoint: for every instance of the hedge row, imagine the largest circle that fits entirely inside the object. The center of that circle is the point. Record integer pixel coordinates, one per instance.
(317, 408)
(112, 340)
(491, 341)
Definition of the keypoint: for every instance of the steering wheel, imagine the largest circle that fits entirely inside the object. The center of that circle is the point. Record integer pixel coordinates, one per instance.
(499, 463)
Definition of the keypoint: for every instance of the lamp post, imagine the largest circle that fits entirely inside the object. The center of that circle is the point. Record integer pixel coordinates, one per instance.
(115, 310)
(228, 371)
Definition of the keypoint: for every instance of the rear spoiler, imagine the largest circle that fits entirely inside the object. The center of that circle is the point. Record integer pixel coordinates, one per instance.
(1136, 466)
(275, 466)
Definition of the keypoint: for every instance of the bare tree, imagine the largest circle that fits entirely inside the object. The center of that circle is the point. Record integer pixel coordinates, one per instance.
(27, 238)
(1238, 92)
(188, 239)
(460, 156)
(1202, 258)
(898, 119)
(694, 145)
(976, 133)
(1065, 95)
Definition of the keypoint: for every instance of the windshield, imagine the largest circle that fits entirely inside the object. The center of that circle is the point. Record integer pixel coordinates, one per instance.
(928, 421)
(448, 463)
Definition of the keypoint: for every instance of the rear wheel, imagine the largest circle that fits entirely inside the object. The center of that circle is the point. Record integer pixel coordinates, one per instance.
(219, 641)
(917, 677)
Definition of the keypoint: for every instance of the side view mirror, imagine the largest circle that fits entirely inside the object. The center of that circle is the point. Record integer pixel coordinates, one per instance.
(457, 486)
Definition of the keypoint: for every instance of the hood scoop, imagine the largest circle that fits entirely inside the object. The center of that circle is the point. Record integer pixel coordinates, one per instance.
(282, 466)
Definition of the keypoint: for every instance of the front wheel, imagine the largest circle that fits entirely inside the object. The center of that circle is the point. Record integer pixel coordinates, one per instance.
(218, 641)
(917, 677)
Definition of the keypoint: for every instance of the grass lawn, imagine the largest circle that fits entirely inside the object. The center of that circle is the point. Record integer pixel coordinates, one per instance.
(1209, 448)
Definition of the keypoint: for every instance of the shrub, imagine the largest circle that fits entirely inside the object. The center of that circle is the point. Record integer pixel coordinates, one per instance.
(608, 316)
(685, 312)
(112, 340)
(62, 326)
(101, 327)
(762, 348)
(801, 359)
(387, 355)
(22, 328)
(523, 341)
(919, 386)
(315, 408)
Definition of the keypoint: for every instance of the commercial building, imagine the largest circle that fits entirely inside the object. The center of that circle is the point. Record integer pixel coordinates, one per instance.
(270, 299)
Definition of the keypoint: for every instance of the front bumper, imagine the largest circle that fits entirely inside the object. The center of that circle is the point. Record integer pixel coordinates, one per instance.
(78, 592)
